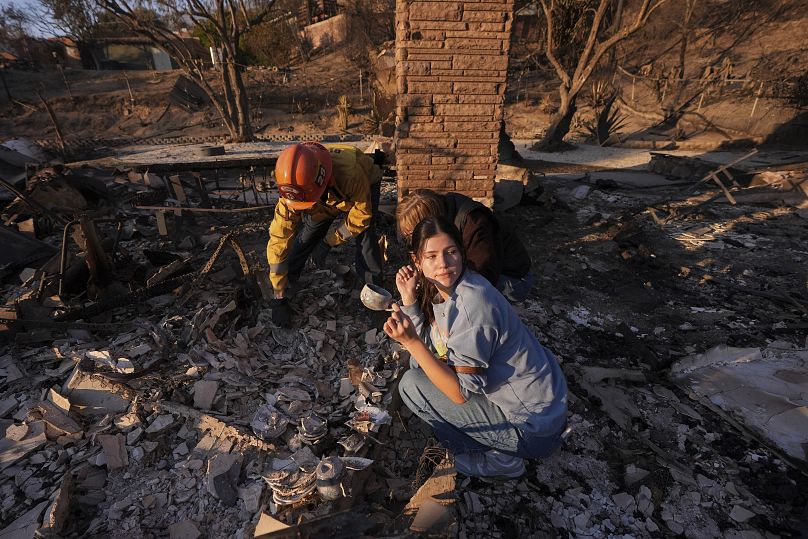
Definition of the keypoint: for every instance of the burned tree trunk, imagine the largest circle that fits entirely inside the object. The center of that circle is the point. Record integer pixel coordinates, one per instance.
(553, 139)
(575, 69)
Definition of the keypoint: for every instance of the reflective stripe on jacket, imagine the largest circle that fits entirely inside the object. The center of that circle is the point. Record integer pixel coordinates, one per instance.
(354, 173)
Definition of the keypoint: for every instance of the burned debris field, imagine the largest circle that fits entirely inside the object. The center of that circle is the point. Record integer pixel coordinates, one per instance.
(656, 174)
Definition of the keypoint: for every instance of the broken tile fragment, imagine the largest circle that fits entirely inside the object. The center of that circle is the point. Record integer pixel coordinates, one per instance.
(56, 515)
(16, 432)
(222, 477)
(740, 514)
(204, 393)
(160, 423)
(7, 405)
(268, 524)
(92, 394)
(114, 450)
(12, 451)
(187, 529)
(251, 496)
(25, 526)
(55, 417)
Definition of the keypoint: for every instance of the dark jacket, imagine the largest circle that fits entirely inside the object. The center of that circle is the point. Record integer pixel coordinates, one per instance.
(486, 240)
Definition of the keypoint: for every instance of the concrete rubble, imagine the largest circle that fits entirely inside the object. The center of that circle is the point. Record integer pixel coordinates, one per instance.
(184, 412)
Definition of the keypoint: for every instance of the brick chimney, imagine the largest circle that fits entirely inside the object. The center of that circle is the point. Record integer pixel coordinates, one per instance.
(451, 70)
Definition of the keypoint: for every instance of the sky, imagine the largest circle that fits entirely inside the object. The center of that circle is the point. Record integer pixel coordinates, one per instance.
(29, 6)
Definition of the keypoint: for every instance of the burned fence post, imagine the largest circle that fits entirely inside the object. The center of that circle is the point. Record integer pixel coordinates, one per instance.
(97, 261)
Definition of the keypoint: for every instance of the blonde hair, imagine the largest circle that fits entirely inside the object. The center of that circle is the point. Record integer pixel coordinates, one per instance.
(416, 207)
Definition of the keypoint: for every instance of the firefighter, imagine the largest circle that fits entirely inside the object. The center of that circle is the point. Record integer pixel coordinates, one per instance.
(316, 185)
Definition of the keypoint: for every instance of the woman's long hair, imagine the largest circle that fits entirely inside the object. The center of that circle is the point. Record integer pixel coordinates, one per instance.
(416, 207)
(426, 229)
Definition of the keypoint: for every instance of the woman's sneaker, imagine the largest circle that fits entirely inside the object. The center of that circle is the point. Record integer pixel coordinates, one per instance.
(491, 463)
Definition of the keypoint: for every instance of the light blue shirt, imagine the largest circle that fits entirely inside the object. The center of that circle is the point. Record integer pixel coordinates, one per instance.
(479, 328)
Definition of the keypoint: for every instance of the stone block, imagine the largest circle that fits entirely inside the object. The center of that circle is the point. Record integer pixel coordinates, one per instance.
(477, 88)
(480, 61)
(429, 87)
(435, 11)
(485, 111)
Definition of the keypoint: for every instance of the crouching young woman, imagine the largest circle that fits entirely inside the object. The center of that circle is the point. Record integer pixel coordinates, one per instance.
(493, 395)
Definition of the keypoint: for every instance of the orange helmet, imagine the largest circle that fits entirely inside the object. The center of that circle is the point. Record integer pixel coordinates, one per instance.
(303, 172)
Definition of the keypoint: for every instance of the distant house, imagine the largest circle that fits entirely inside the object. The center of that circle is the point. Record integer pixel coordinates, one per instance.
(314, 11)
(133, 54)
(30, 52)
(526, 21)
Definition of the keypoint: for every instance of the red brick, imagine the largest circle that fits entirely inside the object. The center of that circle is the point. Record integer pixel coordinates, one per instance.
(413, 178)
(468, 152)
(461, 43)
(497, 27)
(427, 143)
(441, 64)
(445, 98)
(414, 87)
(426, 35)
(411, 158)
(421, 78)
(420, 111)
(466, 186)
(471, 126)
(456, 175)
(417, 68)
(491, 149)
(415, 100)
(427, 184)
(489, 99)
(434, 11)
(483, 74)
(488, 5)
(454, 77)
(475, 160)
(431, 127)
(437, 25)
(409, 168)
(476, 88)
(423, 55)
(480, 61)
(502, 38)
(486, 111)
(473, 136)
(500, 7)
(442, 160)
(419, 45)
(431, 135)
(482, 16)
(467, 169)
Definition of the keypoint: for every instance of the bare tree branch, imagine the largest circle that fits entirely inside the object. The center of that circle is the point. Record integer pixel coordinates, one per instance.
(223, 22)
(550, 47)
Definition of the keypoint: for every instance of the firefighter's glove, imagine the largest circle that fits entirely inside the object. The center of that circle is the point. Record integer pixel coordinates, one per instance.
(281, 312)
(319, 254)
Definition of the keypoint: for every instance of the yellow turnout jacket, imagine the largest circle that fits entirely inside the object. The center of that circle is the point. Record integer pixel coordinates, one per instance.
(354, 172)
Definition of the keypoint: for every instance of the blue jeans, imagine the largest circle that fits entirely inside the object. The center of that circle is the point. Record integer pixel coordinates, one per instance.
(515, 288)
(476, 425)
(368, 258)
